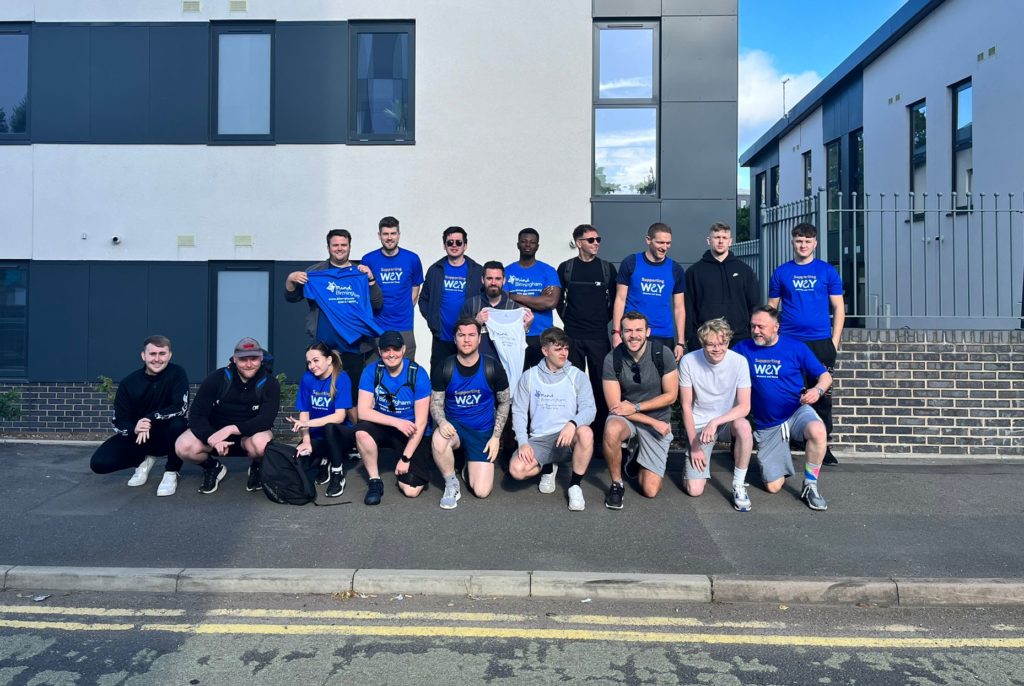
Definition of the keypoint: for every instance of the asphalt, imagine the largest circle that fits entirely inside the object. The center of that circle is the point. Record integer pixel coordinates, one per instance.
(896, 531)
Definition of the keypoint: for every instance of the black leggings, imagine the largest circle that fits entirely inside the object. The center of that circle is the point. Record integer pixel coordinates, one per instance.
(122, 452)
(336, 443)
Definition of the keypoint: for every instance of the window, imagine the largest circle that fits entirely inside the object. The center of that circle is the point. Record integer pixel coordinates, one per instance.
(760, 194)
(241, 307)
(243, 59)
(833, 187)
(13, 308)
(918, 147)
(963, 143)
(626, 109)
(773, 186)
(381, 82)
(808, 178)
(13, 83)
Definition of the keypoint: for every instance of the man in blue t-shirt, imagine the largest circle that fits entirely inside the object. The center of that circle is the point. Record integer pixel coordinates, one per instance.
(809, 290)
(448, 283)
(399, 273)
(782, 407)
(469, 403)
(534, 284)
(653, 284)
(394, 408)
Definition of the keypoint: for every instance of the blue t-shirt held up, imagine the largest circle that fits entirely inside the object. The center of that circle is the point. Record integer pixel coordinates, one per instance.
(777, 375)
(531, 281)
(314, 397)
(397, 276)
(453, 294)
(343, 294)
(804, 290)
(393, 391)
(650, 290)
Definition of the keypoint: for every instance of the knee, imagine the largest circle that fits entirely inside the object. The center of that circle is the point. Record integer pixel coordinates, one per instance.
(774, 486)
(649, 488)
(694, 487)
(516, 470)
(481, 490)
(741, 429)
(364, 441)
(815, 432)
(585, 436)
(409, 491)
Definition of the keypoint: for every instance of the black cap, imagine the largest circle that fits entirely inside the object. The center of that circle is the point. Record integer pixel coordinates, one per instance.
(390, 339)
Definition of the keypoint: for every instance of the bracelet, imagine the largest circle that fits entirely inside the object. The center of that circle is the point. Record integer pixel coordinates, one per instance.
(573, 422)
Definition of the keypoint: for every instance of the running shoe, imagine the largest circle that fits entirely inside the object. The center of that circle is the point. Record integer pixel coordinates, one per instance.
(336, 484)
(255, 480)
(212, 477)
(547, 481)
(613, 499)
(168, 484)
(740, 499)
(452, 495)
(374, 493)
(810, 495)
(576, 501)
(142, 472)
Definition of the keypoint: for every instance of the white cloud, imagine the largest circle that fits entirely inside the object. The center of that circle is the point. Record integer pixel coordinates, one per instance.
(637, 86)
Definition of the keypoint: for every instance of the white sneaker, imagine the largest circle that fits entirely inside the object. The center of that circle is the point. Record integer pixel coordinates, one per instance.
(142, 472)
(576, 502)
(168, 484)
(547, 481)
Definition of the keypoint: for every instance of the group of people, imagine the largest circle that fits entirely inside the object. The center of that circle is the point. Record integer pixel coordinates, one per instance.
(608, 379)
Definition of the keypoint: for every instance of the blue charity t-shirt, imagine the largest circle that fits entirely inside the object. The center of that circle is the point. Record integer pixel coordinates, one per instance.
(314, 397)
(469, 400)
(345, 317)
(531, 281)
(650, 290)
(777, 375)
(395, 389)
(397, 276)
(805, 290)
(453, 294)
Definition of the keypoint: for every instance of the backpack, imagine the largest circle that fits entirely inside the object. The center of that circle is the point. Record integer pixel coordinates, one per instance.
(564, 300)
(286, 478)
(657, 356)
(410, 376)
(225, 386)
(490, 371)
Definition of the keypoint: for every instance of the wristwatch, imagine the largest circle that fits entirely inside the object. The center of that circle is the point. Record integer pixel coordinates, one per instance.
(406, 459)
(636, 407)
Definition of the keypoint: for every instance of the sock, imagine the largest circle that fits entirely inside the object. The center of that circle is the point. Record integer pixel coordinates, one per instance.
(338, 470)
(210, 463)
(548, 468)
(811, 472)
(738, 477)
(618, 483)
(575, 480)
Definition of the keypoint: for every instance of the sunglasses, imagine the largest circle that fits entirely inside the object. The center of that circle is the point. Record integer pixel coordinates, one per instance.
(454, 243)
(635, 368)
(389, 396)
(592, 239)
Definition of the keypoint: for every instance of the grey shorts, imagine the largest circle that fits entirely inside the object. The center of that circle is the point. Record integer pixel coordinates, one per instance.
(773, 444)
(724, 434)
(546, 452)
(653, 453)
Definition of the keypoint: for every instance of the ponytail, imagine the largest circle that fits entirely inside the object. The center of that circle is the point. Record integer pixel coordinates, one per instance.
(326, 351)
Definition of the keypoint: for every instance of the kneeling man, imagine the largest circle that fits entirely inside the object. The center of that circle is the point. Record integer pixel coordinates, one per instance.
(714, 391)
(782, 407)
(469, 402)
(552, 410)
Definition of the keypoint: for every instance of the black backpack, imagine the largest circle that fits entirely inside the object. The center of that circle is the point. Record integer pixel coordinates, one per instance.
(225, 386)
(657, 356)
(410, 376)
(490, 371)
(606, 269)
(286, 476)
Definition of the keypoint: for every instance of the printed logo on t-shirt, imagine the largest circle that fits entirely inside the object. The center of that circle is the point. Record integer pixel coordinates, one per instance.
(523, 285)
(467, 398)
(767, 368)
(805, 283)
(343, 294)
(319, 400)
(650, 286)
(390, 275)
(455, 284)
(545, 400)
(384, 401)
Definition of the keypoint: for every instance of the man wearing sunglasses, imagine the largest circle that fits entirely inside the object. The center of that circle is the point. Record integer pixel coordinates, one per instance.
(640, 384)
(588, 291)
(534, 284)
(449, 282)
(394, 409)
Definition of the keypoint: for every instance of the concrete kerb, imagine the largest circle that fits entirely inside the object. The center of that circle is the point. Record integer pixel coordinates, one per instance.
(972, 592)
(804, 590)
(244, 580)
(509, 584)
(682, 587)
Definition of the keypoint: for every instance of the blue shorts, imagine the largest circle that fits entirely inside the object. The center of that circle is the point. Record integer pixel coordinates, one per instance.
(472, 442)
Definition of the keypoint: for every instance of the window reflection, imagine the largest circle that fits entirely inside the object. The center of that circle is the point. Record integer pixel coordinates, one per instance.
(625, 151)
(13, 83)
(243, 84)
(382, 84)
(625, 64)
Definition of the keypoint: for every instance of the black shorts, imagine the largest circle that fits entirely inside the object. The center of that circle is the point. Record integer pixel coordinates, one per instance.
(390, 438)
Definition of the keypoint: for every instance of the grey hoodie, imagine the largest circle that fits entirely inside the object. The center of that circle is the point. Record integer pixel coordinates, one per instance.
(541, 421)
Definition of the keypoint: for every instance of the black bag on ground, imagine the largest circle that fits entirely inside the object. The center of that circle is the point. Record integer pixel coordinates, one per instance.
(286, 477)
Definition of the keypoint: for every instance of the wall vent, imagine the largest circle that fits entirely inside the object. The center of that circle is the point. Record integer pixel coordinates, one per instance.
(186, 240)
(243, 240)
(981, 56)
(238, 6)
(992, 51)
(191, 6)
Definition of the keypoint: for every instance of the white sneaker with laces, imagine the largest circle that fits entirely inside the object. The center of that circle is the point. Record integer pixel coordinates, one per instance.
(576, 502)
(168, 484)
(547, 481)
(142, 472)
(740, 498)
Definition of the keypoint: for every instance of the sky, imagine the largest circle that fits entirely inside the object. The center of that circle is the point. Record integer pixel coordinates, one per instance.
(802, 40)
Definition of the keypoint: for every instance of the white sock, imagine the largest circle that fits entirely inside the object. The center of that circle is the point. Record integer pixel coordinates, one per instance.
(451, 478)
(738, 477)
(338, 470)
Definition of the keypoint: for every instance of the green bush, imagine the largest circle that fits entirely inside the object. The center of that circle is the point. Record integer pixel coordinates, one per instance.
(10, 405)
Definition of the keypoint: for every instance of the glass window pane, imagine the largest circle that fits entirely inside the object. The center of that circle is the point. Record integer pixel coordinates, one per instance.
(626, 63)
(243, 84)
(243, 309)
(625, 151)
(382, 84)
(918, 147)
(964, 109)
(13, 83)
(13, 301)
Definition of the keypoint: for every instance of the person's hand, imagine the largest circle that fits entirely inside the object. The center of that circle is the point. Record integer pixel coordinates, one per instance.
(527, 317)
(401, 468)
(482, 316)
(566, 435)
(492, 448)
(663, 428)
(366, 270)
(710, 431)
(548, 290)
(447, 430)
(297, 424)
(616, 340)
(697, 457)
(679, 351)
(143, 425)
(405, 426)
(810, 396)
(221, 435)
(222, 447)
(622, 409)
(141, 437)
(527, 455)
(299, 278)
(303, 449)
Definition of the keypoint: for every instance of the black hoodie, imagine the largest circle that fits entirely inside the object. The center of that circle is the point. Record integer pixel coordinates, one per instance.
(727, 289)
(243, 405)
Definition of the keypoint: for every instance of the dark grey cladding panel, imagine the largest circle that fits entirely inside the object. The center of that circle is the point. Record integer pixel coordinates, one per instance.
(177, 303)
(117, 317)
(179, 78)
(690, 220)
(626, 8)
(842, 110)
(60, 57)
(119, 74)
(623, 224)
(311, 77)
(288, 328)
(699, 59)
(699, 7)
(58, 321)
(698, 150)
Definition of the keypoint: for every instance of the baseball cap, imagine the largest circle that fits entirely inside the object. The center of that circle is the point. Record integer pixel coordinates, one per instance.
(248, 347)
(390, 339)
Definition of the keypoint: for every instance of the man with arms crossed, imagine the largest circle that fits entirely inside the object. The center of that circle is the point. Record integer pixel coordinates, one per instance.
(233, 414)
(640, 387)
(400, 274)
(552, 409)
(448, 284)
(781, 407)
(808, 289)
(534, 284)
(714, 391)
(149, 415)
(469, 401)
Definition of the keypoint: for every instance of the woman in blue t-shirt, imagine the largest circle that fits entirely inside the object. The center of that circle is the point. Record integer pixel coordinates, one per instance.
(323, 397)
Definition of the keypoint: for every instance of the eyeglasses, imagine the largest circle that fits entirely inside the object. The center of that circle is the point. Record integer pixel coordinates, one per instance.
(635, 368)
(454, 243)
(592, 239)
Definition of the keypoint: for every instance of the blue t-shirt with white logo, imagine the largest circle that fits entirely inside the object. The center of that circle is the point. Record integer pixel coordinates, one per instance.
(453, 294)
(346, 316)
(805, 290)
(531, 281)
(393, 391)
(314, 397)
(469, 400)
(650, 290)
(777, 375)
(397, 276)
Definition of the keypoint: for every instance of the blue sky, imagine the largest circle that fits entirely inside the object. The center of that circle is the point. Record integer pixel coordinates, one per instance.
(796, 39)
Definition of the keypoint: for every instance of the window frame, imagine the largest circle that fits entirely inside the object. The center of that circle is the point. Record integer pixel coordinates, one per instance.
(601, 103)
(7, 29)
(19, 373)
(963, 201)
(808, 163)
(356, 27)
(217, 29)
(911, 111)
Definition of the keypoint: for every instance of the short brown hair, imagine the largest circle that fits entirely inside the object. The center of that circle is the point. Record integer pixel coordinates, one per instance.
(158, 341)
(804, 230)
(719, 226)
(553, 336)
(658, 227)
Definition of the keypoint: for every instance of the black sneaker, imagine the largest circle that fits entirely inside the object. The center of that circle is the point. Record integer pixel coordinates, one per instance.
(255, 481)
(613, 500)
(829, 457)
(630, 464)
(374, 493)
(323, 475)
(212, 477)
(336, 486)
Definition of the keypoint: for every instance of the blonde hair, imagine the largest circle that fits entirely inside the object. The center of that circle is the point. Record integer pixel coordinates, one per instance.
(715, 327)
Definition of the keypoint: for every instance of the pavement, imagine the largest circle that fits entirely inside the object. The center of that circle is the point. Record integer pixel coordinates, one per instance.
(897, 532)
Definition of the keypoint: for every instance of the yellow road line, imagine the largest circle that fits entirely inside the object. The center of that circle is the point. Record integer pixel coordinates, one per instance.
(62, 626)
(661, 621)
(88, 611)
(365, 614)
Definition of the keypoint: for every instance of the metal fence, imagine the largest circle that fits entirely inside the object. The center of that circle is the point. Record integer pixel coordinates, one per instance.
(906, 260)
